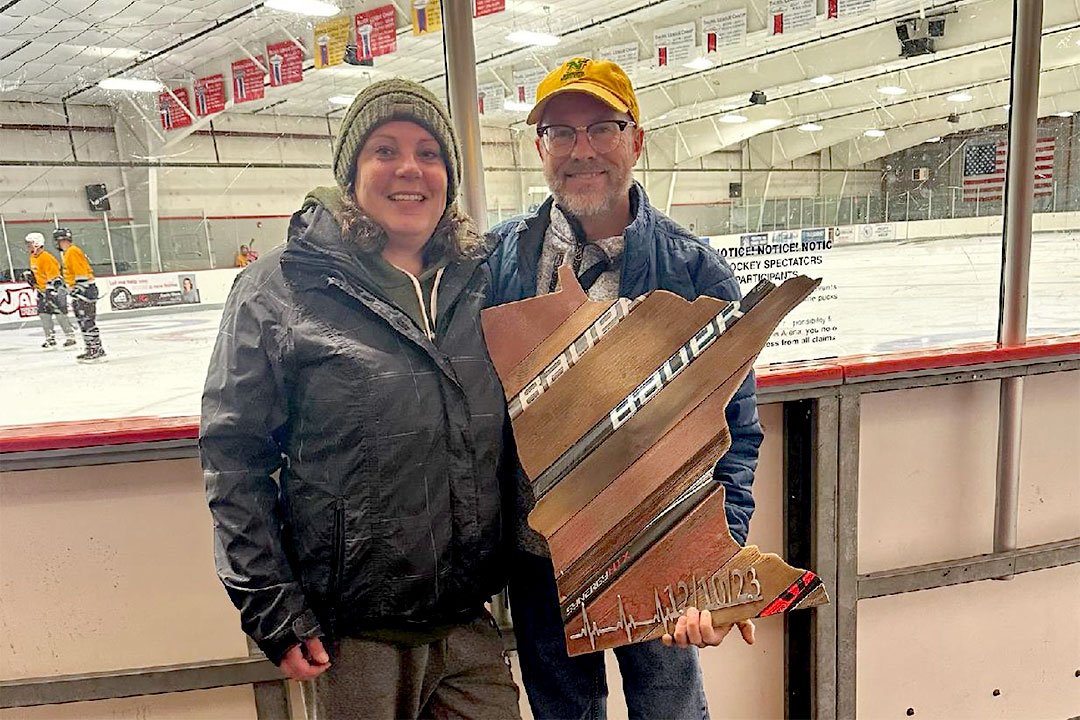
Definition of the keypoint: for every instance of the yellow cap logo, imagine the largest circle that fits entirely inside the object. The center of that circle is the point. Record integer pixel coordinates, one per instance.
(574, 69)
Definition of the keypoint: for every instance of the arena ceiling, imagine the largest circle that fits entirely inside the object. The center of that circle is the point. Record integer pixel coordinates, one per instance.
(828, 77)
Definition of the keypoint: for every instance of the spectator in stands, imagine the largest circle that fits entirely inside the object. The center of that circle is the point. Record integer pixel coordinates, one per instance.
(243, 258)
(44, 277)
(352, 362)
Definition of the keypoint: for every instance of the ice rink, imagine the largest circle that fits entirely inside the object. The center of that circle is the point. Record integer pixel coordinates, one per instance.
(891, 296)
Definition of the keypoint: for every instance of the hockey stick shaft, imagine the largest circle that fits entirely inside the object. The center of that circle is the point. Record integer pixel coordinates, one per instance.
(647, 390)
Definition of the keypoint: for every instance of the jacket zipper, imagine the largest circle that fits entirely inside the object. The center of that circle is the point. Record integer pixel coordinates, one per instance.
(337, 556)
(339, 284)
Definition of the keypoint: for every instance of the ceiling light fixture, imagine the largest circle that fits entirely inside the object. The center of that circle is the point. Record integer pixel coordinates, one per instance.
(699, 63)
(314, 8)
(811, 127)
(733, 119)
(131, 85)
(1064, 114)
(340, 99)
(112, 53)
(528, 37)
(935, 139)
(874, 133)
(959, 97)
(891, 90)
(822, 79)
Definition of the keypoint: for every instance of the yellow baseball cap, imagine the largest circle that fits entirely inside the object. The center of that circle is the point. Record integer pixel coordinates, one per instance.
(602, 79)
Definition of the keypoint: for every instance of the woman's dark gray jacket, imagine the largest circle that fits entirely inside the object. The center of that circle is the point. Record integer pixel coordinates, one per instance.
(395, 459)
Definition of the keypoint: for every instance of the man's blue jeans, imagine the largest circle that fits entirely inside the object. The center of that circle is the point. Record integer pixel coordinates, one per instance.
(658, 682)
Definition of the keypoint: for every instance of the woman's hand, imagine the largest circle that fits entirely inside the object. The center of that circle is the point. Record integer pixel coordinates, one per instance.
(305, 661)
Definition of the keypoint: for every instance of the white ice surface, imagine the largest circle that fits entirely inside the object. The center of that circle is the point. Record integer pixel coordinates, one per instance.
(895, 296)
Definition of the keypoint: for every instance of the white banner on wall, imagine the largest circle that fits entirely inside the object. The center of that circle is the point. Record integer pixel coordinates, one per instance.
(810, 332)
(675, 43)
(846, 8)
(623, 55)
(791, 15)
(122, 293)
(135, 292)
(17, 301)
(490, 97)
(874, 232)
(525, 82)
(726, 30)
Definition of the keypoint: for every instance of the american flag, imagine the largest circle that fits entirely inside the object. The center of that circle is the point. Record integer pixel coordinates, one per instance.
(984, 168)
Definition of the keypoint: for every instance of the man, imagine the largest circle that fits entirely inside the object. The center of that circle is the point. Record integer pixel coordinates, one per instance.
(44, 277)
(601, 223)
(79, 278)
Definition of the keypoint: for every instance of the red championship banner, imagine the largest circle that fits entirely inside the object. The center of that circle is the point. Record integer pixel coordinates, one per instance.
(488, 7)
(792, 15)
(248, 80)
(376, 32)
(209, 95)
(286, 63)
(173, 115)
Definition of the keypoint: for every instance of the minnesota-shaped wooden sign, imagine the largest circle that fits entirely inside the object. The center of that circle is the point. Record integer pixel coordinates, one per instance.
(618, 414)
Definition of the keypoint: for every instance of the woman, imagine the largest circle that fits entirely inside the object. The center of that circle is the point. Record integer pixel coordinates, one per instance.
(352, 360)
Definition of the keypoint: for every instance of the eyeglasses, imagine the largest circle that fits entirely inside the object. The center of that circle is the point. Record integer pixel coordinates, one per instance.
(604, 136)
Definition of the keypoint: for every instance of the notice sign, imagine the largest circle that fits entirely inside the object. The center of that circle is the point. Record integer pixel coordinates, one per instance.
(674, 43)
(488, 7)
(426, 16)
(726, 30)
(525, 82)
(810, 331)
(846, 8)
(490, 97)
(622, 55)
(209, 95)
(248, 80)
(331, 37)
(286, 63)
(173, 115)
(131, 292)
(792, 15)
(376, 32)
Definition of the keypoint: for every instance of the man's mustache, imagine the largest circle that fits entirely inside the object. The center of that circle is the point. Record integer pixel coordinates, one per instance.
(583, 167)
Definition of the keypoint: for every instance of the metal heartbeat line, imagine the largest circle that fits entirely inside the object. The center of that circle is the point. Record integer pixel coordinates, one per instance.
(664, 616)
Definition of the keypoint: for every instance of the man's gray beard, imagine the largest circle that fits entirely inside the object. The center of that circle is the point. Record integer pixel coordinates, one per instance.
(582, 206)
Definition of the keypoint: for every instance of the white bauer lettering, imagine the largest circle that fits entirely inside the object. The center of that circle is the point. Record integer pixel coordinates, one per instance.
(569, 357)
(671, 368)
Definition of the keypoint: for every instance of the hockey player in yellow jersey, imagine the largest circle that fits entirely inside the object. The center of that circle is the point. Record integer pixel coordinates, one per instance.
(79, 277)
(44, 277)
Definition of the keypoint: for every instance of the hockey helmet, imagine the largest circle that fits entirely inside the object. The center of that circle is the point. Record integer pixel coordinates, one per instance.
(61, 233)
(35, 240)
